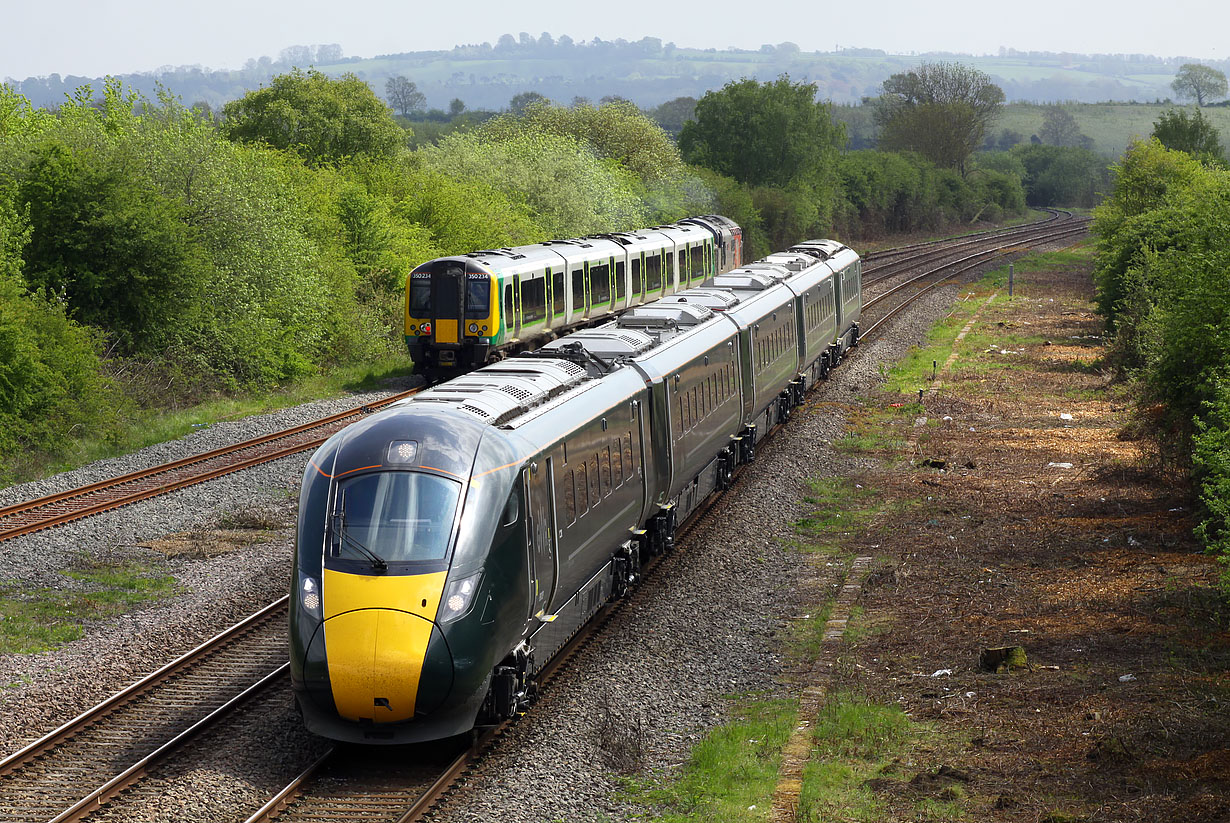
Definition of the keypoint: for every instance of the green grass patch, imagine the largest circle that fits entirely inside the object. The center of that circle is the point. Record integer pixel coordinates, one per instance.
(836, 507)
(807, 634)
(731, 774)
(152, 426)
(37, 620)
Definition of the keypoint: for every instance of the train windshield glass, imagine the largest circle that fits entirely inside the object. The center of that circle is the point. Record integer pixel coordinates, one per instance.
(478, 296)
(420, 297)
(398, 516)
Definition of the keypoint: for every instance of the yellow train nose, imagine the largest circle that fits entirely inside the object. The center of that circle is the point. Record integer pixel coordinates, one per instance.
(377, 630)
(375, 662)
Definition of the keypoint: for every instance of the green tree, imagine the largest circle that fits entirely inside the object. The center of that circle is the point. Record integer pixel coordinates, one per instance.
(404, 95)
(456, 107)
(321, 119)
(1176, 129)
(1059, 128)
(672, 114)
(940, 110)
(1199, 82)
(764, 134)
(520, 102)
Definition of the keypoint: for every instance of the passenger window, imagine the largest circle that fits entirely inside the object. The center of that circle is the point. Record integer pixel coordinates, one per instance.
(570, 499)
(636, 275)
(620, 288)
(578, 291)
(606, 471)
(670, 268)
(653, 273)
(628, 463)
(557, 293)
(617, 467)
(599, 284)
(534, 299)
(582, 489)
(593, 480)
(509, 308)
(698, 262)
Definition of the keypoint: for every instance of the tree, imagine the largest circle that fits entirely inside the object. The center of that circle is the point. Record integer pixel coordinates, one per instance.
(672, 114)
(456, 106)
(520, 102)
(1200, 83)
(1175, 129)
(404, 94)
(940, 110)
(763, 133)
(1059, 128)
(320, 118)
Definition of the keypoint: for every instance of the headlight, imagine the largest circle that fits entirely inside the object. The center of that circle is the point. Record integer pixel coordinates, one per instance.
(309, 596)
(458, 596)
(484, 328)
(413, 328)
(426, 329)
(473, 328)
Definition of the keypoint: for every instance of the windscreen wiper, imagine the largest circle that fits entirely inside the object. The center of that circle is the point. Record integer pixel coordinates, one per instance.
(337, 525)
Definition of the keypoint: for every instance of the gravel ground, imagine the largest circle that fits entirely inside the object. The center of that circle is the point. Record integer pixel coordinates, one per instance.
(706, 625)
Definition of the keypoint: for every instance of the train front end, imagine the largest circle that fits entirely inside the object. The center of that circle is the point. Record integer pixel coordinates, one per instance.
(390, 618)
(452, 316)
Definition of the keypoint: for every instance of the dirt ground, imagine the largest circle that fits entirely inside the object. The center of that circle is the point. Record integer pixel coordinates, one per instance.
(1058, 534)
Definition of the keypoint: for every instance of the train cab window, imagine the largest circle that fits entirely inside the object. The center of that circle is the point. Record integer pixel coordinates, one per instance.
(533, 299)
(606, 471)
(570, 497)
(478, 296)
(582, 489)
(420, 297)
(636, 276)
(578, 291)
(599, 284)
(557, 293)
(653, 273)
(620, 286)
(398, 516)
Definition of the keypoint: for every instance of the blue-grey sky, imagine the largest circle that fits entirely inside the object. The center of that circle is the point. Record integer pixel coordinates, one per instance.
(97, 37)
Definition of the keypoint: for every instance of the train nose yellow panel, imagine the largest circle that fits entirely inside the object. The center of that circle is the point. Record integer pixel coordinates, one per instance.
(446, 331)
(377, 628)
(375, 661)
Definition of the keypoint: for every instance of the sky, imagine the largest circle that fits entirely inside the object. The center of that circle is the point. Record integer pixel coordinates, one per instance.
(93, 38)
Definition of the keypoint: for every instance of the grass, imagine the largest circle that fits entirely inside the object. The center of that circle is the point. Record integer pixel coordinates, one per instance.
(159, 425)
(836, 507)
(38, 620)
(731, 774)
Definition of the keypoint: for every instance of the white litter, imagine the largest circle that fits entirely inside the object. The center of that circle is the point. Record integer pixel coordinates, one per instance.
(1065, 416)
(1126, 678)
(1059, 465)
(942, 672)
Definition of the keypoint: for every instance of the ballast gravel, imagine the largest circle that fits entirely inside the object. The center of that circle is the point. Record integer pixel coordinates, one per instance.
(708, 624)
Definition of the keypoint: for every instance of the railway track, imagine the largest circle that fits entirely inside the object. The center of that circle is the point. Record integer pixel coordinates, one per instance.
(56, 509)
(73, 770)
(89, 760)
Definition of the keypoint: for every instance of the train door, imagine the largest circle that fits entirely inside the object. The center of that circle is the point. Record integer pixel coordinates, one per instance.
(540, 524)
(448, 288)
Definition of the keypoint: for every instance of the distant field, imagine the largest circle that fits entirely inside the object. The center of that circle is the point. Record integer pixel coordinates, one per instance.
(1112, 127)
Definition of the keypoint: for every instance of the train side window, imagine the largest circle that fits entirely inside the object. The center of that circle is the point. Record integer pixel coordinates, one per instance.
(593, 480)
(636, 275)
(533, 299)
(653, 273)
(617, 465)
(628, 455)
(557, 293)
(698, 262)
(670, 269)
(570, 497)
(512, 509)
(582, 488)
(620, 286)
(606, 471)
(509, 308)
(599, 284)
(578, 291)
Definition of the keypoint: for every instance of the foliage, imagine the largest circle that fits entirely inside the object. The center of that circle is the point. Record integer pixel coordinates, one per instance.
(764, 134)
(1059, 128)
(1199, 82)
(404, 95)
(558, 179)
(321, 119)
(617, 131)
(940, 110)
(672, 114)
(1192, 133)
(1061, 175)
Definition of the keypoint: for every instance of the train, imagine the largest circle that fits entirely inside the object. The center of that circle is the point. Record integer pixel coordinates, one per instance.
(449, 545)
(466, 311)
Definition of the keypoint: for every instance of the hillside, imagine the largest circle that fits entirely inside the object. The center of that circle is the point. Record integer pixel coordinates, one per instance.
(647, 72)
